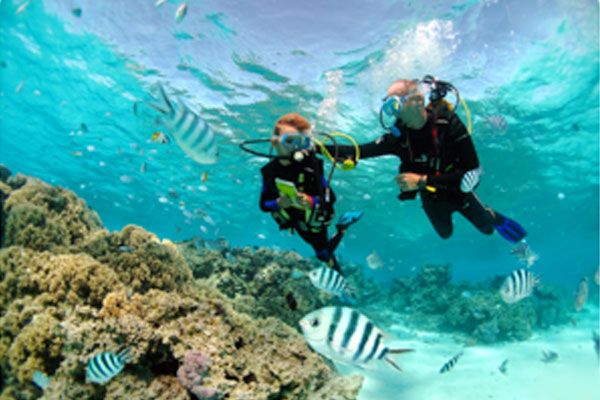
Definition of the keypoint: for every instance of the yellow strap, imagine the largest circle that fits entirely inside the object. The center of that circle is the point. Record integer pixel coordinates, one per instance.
(468, 114)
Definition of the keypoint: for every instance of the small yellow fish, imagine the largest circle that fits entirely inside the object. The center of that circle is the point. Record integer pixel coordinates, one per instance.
(77, 153)
(159, 137)
(582, 294)
(204, 176)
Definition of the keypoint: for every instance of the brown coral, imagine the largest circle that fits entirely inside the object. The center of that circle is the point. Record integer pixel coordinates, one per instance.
(139, 258)
(94, 291)
(44, 217)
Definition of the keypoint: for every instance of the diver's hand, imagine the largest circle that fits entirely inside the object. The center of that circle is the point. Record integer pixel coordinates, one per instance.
(306, 201)
(284, 202)
(408, 181)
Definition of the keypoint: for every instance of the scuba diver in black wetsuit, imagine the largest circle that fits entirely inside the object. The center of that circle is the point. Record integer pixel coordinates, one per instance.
(296, 192)
(439, 161)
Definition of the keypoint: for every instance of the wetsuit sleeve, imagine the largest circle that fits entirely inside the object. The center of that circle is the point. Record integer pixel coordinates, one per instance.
(466, 157)
(269, 193)
(382, 146)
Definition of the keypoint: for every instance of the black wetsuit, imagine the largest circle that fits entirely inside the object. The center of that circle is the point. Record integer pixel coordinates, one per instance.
(445, 154)
(312, 224)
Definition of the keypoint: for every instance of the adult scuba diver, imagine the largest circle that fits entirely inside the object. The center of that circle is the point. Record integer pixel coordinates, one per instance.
(295, 190)
(438, 158)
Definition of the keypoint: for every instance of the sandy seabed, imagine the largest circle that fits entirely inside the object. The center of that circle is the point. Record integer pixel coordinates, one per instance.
(575, 375)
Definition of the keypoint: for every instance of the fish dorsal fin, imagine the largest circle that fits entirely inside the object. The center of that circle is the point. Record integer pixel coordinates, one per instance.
(164, 105)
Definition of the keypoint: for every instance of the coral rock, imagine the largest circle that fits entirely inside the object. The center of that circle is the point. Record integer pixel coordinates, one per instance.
(42, 217)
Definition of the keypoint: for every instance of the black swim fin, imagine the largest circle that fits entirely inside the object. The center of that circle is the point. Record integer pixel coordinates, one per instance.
(509, 229)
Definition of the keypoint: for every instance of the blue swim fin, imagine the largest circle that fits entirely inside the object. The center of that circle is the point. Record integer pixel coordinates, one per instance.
(509, 229)
(348, 218)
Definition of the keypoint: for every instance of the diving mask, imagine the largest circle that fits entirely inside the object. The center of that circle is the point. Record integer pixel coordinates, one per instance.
(393, 105)
(295, 141)
(390, 111)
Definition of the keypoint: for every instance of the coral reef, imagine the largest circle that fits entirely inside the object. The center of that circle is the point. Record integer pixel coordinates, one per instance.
(429, 300)
(262, 282)
(43, 217)
(69, 290)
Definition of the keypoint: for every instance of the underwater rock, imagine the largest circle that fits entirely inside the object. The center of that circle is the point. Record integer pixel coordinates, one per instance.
(365, 289)
(43, 217)
(147, 264)
(430, 301)
(261, 283)
(68, 292)
(16, 181)
(4, 173)
(340, 388)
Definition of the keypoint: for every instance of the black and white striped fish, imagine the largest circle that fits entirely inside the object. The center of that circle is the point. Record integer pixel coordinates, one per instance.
(345, 335)
(470, 180)
(450, 363)
(191, 132)
(518, 285)
(332, 282)
(105, 366)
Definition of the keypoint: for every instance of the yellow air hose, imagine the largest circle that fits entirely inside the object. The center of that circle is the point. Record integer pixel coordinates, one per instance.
(348, 164)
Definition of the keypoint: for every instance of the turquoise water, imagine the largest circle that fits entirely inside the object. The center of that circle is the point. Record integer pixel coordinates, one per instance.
(243, 64)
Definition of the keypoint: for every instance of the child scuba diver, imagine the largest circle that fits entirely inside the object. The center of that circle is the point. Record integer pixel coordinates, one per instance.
(296, 192)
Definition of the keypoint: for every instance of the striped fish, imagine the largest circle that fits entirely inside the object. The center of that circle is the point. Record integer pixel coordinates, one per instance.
(470, 180)
(344, 335)
(332, 282)
(192, 133)
(105, 366)
(518, 285)
(450, 363)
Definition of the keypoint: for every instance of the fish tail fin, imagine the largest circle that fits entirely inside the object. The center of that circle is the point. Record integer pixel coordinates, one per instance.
(393, 364)
(163, 104)
(348, 296)
(400, 351)
(125, 355)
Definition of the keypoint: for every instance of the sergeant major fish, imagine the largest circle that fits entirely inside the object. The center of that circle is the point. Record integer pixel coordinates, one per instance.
(518, 285)
(105, 366)
(191, 132)
(343, 334)
(330, 281)
(450, 363)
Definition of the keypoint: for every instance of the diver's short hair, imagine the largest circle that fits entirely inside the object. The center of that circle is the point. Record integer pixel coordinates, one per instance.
(293, 119)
